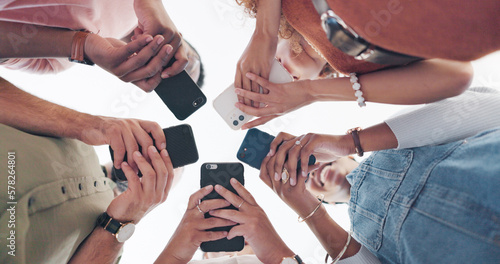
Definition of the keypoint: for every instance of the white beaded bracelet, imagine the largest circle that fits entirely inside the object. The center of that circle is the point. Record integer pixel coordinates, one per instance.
(357, 88)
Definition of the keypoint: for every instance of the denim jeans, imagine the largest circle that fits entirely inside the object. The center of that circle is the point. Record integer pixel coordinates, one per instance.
(434, 204)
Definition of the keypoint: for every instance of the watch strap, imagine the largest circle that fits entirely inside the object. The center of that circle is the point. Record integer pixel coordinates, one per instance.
(78, 48)
(109, 224)
(298, 259)
(357, 143)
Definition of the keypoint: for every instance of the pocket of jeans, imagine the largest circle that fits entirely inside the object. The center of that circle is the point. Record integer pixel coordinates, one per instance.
(374, 184)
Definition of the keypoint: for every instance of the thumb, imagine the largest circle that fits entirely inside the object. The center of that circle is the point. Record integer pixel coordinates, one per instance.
(134, 46)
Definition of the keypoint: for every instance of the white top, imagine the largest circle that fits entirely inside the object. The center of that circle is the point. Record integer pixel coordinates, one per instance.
(244, 259)
(364, 256)
(448, 120)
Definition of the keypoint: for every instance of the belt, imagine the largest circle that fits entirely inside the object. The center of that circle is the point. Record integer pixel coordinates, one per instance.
(348, 41)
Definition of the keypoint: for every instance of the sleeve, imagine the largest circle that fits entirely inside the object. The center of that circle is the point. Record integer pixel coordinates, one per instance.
(364, 256)
(448, 120)
(39, 66)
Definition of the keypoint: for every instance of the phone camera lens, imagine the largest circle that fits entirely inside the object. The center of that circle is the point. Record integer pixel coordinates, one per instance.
(235, 123)
(198, 102)
(208, 166)
(241, 117)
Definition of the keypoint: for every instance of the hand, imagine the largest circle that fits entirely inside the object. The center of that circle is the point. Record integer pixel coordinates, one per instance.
(191, 232)
(257, 58)
(254, 225)
(142, 195)
(281, 99)
(330, 180)
(325, 148)
(124, 136)
(139, 61)
(153, 20)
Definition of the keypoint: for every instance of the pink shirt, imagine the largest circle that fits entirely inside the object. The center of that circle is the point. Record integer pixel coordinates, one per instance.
(110, 18)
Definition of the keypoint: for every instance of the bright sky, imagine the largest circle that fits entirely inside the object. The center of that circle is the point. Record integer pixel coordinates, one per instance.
(219, 30)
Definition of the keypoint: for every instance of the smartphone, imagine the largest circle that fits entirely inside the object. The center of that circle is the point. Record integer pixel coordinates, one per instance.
(221, 173)
(255, 147)
(224, 103)
(181, 148)
(181, 95)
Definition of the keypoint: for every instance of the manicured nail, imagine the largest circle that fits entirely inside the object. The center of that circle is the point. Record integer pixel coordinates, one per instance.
(124, 164)
(160, 40)
(153, 148)
(165, 75)
(237, 91)
(164, 152)
(148, 39)
(233, 180)
(237, 105)
(218, 187)
(276, 176)
(225, 233)
(292, 181)
(270, 153)
(304, 174)
(169, 49)
(138, 154)
(248, 75)
(163, 145)
(208, 187)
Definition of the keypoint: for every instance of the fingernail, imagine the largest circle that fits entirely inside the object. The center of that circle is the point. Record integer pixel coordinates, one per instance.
(304, 174)
(169, 49)
(233, 180)
(208, 187)
(237, 91)
(248, 75)
(236, 105)
(225, 233)
(165, 75)
(137, 153)
(163, 146)
(160, 40)
(153, 148)
(211, 211)
(148, 39)
(276, 176)
(270, 153)
(164, 152)
(218, 187)
(292, 181)
(124, 164)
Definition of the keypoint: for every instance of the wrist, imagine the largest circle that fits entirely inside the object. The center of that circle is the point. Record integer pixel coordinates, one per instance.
(346, 143)
(336, 89)
(305, 205)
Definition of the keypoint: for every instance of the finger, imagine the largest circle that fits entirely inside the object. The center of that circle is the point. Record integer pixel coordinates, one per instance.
(213, 222)
(281, 157)
(211, 235)
(154, 129)
(264, 174)
(213, 204)
(256, 89)
(291, 163)
(151, 67)
(134, 183)
(238, 83)
(242, 191)
(259, 121)
(148, 173)
(134, 46)
(170, 172)
(234, 199)
(259, 80)
(143, 138)
(229, 214)
(236, 231)
(137, 61)
(282, 136)
(131, 146)
(306, 151)
(247, 85)
(160, 169)
(254, 96)
(119, 151)
(276, 175)
(181, 61)
(263, 111)
(148, 85)
(198, 195)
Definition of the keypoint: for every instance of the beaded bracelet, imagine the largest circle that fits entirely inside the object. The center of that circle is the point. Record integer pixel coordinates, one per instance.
(320, 197)
(357, 88)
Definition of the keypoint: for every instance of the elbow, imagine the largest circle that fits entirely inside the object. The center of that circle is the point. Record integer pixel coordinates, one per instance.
(461, 78)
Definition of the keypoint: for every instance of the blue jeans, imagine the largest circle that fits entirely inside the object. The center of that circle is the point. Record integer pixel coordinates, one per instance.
(434, 204)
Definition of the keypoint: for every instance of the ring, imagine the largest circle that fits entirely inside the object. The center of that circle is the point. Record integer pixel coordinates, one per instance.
(285, 176)
(242, 202)
(298, 143)
(199, 209)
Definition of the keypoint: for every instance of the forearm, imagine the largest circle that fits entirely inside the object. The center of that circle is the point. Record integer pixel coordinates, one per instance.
(31, 114)
(268, 18)
(99, 247)
(421, 82)
(19, 40)
(168, 256)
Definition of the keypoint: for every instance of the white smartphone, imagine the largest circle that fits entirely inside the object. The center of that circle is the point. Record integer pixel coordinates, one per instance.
(224, 103)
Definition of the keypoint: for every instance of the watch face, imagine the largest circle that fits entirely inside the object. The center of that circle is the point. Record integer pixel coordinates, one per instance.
(125, 232)
(289, 260)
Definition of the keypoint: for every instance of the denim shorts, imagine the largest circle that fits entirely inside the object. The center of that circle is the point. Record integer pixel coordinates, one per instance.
(434, 204)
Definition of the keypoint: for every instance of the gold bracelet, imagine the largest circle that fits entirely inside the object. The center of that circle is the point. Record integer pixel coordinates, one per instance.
(334, 261)
(320, 197)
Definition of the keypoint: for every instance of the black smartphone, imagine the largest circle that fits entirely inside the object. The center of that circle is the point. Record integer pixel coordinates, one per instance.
(221, 173)
(181, 148)
(181, 95)
(256, 145)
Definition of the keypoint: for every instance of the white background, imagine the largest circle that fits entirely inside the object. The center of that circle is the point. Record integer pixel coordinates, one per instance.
(220, 31)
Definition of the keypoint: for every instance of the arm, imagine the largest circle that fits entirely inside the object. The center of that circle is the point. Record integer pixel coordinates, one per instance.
(261, 50)
(141, 196)
(417, 83)
(31, 114)
(110, 54)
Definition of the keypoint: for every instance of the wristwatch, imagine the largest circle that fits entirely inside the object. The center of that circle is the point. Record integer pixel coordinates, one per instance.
(292, 260)
(78, 48)
(121, 231)
(349, 42)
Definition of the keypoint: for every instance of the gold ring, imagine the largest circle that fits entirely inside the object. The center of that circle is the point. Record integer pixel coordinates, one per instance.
(285, 176)
(242, 202)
